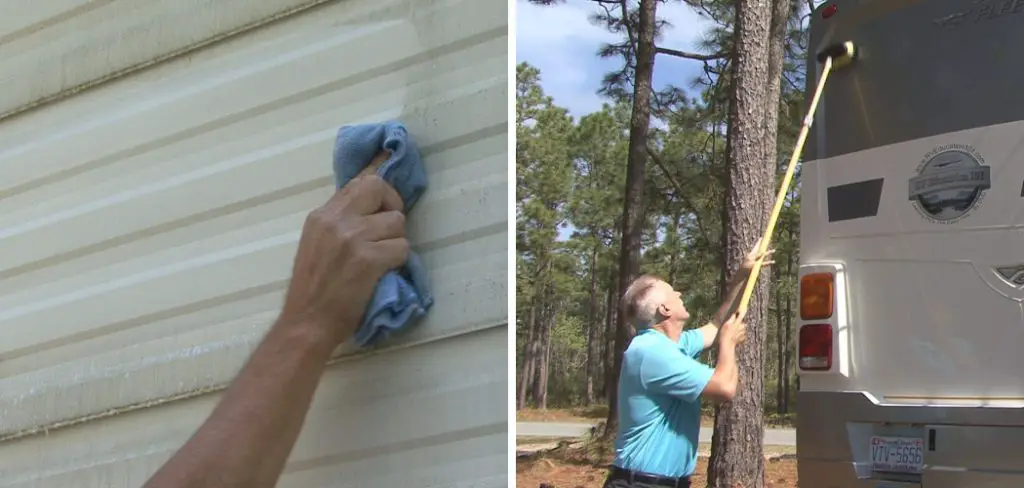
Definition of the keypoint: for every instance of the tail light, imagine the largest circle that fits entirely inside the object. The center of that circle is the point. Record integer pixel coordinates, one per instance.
(815, 347)
(816, 296)
(829, 11)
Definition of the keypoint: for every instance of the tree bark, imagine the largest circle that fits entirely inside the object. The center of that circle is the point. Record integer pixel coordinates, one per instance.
(592, 328)
(737, 453)
(608, 356)
(544, 361)
(529, 360)
(780, 348)
(776, 56)
(632, 218)
(787, 370)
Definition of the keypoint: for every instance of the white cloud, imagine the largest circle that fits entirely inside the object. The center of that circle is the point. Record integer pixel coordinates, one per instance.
(561, 42)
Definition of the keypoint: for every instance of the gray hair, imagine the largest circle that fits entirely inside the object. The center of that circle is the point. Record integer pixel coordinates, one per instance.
(641, 301)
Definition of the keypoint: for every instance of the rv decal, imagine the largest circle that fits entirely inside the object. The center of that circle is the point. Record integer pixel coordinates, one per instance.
(951, 183)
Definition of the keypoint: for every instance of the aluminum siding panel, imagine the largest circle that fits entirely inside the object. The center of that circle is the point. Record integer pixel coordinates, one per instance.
(147, 226)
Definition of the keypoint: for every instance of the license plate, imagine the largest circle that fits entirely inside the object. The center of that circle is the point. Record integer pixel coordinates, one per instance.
(897, 454)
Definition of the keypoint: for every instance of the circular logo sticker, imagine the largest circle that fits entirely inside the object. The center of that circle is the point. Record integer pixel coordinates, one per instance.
(951, 182)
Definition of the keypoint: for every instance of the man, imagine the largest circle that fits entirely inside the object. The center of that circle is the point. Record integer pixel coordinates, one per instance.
(345, 248)
(661, 382)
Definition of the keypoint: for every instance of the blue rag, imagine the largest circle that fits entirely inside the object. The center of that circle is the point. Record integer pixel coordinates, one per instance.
(401, 297)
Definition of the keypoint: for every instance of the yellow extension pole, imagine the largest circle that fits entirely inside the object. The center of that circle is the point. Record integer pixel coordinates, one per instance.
(786, 180)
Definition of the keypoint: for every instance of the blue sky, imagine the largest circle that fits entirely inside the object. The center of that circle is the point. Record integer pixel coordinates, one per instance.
(562, 43)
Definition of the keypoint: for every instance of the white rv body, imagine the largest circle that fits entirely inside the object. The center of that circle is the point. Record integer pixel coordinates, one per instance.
(913, 203)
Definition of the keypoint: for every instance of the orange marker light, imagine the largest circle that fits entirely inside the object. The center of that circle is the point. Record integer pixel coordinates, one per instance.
(816, 296)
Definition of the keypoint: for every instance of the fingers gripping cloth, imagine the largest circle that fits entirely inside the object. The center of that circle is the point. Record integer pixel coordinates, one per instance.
(401, 297)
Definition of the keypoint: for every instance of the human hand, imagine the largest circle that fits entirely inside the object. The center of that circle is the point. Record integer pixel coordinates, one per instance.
(346, 247)
(753, 256)
(733, 331)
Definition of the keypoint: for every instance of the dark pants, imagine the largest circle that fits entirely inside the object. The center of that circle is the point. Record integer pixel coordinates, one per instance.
(621, 478)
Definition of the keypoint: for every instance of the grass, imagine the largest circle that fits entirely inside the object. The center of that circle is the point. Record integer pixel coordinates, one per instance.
(576, 414)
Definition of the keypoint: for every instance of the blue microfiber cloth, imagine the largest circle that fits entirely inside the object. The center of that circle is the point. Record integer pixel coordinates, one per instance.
(401, 297)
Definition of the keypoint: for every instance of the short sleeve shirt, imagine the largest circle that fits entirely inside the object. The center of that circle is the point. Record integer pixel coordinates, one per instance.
(659, 403)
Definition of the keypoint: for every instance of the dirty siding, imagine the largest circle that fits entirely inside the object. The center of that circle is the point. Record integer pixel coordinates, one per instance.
(158, 159)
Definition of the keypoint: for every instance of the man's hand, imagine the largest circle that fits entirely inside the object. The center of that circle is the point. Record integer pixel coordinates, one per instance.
(346, 246)
(734, 331)
(735, 288)
(724, 381)
(753, 256)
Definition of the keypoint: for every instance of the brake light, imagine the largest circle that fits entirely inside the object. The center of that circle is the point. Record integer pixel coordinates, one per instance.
(815, 347)
(816, 296)
(829, 11)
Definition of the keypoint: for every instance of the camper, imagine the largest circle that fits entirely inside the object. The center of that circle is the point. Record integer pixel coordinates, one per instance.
(911, 280)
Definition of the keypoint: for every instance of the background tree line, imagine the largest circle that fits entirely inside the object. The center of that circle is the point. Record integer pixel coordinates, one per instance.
(661, 182)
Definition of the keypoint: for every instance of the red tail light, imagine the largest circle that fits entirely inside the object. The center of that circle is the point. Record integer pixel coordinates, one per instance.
(815, 347)
(829, 11)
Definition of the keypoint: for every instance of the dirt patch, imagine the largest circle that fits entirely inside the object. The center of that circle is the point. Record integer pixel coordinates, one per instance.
(576, 469)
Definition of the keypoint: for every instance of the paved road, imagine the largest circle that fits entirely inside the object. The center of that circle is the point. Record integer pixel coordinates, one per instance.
(772, 437)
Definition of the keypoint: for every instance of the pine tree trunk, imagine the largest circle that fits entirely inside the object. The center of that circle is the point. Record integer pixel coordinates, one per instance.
(529, 360)
(544, 358)
(737, 454)
(779, 349)
(787, 370)
(608, 355)
(592, 328)
(632, 218)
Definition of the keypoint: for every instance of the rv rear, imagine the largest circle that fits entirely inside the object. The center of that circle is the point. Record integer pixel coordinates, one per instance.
(911, 311)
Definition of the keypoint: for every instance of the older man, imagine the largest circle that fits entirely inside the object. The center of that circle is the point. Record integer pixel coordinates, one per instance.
(661, 381)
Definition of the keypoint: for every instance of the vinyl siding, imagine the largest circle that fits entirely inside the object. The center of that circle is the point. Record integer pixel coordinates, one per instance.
(158, 159)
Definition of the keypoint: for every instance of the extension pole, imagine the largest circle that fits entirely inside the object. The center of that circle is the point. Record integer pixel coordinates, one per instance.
(781, 197)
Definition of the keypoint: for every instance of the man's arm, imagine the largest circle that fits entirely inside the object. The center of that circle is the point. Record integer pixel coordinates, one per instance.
(735, 287)
(250, 433)
(346, 246)
(687, 379)
(721, 387)
(733, 291)
(723, 383)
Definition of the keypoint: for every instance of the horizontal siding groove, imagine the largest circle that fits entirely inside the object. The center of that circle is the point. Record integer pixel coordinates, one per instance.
(438, 441)
(15, 409)
(87, 83)
(152, 283)
(166, 138)
(343, 429)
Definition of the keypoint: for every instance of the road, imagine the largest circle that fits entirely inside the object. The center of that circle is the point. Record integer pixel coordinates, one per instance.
(772, 437)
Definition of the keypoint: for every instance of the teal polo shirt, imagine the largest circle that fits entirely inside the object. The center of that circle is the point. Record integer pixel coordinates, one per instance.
(659, 403)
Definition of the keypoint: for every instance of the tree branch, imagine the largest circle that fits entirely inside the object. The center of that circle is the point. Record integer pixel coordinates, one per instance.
(680, 192)
(687, 55)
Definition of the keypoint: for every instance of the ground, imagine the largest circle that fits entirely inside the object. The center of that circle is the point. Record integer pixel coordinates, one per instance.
(566, 472)
(585, 467)
(600, 412)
